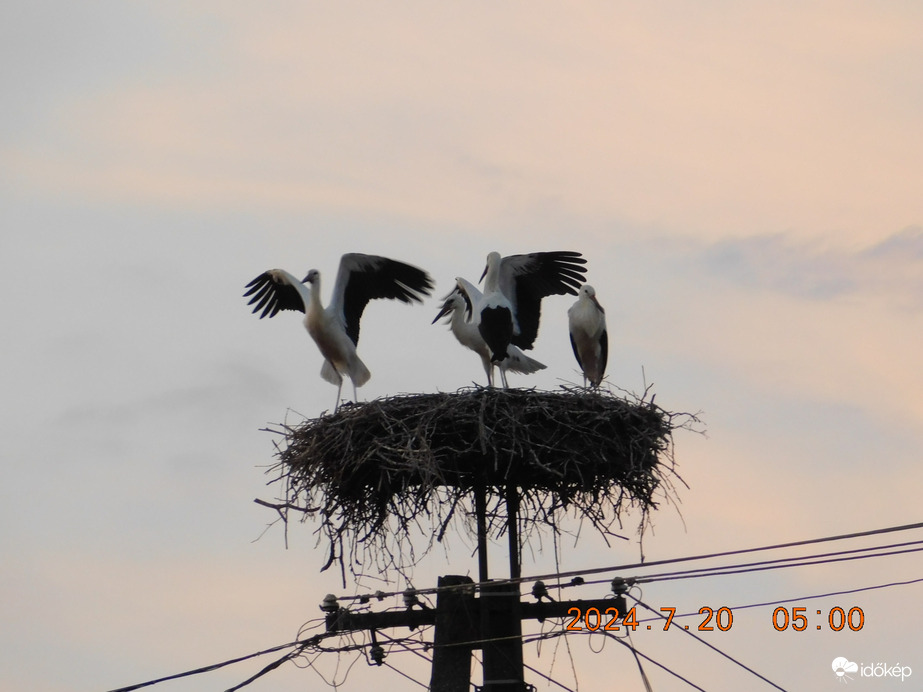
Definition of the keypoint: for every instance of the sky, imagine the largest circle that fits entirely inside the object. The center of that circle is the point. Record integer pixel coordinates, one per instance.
(744, 180)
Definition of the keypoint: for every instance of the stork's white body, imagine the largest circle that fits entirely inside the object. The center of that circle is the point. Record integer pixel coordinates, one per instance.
(496, 319)
(335, 329)
(328, 330)
(514, 288)
(588, 335)
(466, 331)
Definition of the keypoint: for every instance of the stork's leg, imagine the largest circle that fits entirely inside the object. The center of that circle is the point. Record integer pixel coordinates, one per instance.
(355, 395)
(490, 375)
(339, 389)
(503, 378)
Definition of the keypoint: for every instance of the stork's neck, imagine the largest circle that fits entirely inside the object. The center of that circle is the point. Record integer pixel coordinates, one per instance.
(458, 323)
(313, 303)
(492, 277)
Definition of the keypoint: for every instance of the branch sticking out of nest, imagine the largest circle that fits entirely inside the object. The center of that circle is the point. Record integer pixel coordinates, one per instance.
(372, 471)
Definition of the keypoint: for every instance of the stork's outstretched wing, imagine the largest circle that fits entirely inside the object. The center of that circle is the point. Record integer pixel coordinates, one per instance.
(362, 278)
(526, 279)
(276, 290)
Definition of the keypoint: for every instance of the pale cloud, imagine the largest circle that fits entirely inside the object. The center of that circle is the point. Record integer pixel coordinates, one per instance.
(835, 351)
(779, 262)
(817, 324)
(105, 604)
(779, 119)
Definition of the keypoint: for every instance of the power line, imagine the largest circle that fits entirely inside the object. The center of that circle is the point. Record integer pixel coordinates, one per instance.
(834, 593)
(763, 564)
(714, 648)
(800, 561)
(660, 665)
(656, 663)
(379, 595)
(301, 645)
(664, 575)
(403, 643)
(268, 669)
(640, 565)
(400, 672)
(548, 678)
(803, 562)
(799, 599)
(634, 652)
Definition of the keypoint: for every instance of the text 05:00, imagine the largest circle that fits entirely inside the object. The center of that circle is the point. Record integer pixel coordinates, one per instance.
(837, 619)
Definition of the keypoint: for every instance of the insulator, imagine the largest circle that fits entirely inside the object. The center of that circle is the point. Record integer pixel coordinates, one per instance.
(619, 586)
(330, 604)
(410, 597)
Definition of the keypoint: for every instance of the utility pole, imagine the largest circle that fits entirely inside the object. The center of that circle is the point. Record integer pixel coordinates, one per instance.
(464, 623)
(501, 637)
(491, 622)
(501, 621)
(456, 627)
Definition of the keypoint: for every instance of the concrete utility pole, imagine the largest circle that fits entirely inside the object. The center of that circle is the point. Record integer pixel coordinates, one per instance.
(456, 625)
(492, 622)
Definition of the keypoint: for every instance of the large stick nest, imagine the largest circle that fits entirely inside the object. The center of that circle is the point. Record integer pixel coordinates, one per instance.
(371, 471)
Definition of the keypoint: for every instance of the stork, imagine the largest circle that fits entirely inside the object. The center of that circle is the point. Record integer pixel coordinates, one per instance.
(510, 309)
(587, 323)
(335, 329)
(459, 306)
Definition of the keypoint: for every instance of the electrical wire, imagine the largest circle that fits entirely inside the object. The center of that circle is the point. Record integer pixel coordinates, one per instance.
(620, 640)
(400, 672)
(301, 645)
(656, 663)
(215, 666)
(267, 669)
(634, 651)
(800, 599)
(404, 644)
(714, 648)
(800, 561)
(832, 593)
(771, 565)
(645, 565)
(548, 678)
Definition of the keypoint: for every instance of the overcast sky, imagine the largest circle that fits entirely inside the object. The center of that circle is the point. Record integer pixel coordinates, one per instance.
(745, 182)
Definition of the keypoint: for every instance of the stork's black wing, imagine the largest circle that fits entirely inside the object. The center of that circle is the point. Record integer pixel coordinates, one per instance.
(604, 355)
(362, 278)
(275, 290)
(573, 345)
(526, 279)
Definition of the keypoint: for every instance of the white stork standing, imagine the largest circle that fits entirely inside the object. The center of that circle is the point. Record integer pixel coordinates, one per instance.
(514, 286)
(335, 329)
(587, 323)
(463, 322)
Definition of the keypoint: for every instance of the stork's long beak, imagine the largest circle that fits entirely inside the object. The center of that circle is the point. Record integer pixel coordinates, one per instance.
(446, 309)
(483, 274)
(600, 307)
